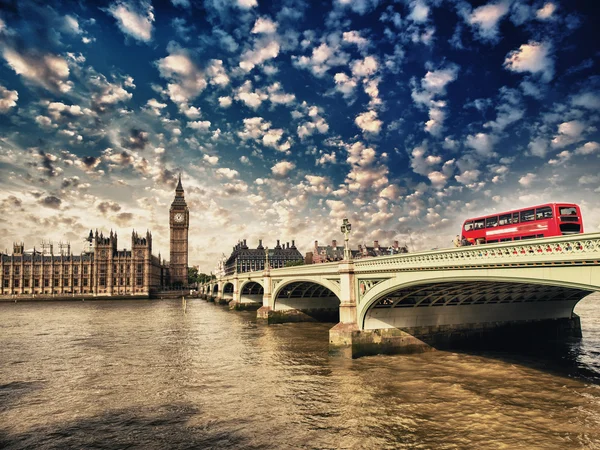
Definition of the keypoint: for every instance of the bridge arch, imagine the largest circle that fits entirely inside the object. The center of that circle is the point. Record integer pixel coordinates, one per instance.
(215, 289)
(318, 299)
(228, 291)
(417, 300)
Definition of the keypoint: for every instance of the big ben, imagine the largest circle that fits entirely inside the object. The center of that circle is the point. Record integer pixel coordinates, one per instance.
(179, 222)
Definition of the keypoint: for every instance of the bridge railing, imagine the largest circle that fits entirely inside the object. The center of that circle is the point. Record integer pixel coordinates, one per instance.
(561, 249)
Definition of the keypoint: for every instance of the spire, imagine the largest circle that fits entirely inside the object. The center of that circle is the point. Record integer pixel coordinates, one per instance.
(179, 187)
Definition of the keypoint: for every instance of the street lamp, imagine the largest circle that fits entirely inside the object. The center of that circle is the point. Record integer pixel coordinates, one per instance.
(346, 227)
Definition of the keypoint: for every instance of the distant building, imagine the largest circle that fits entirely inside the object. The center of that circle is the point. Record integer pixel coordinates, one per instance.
(335, 252)
(244, 259)
(101, 269)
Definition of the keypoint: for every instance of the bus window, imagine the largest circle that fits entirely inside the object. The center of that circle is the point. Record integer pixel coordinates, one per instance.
(505, 239)
(504, 219)
(479, 224)
(543, 213)
(528, 216)
(515, 218)
(567, 211)
(468, 226)
(491, 222)
(492, 242)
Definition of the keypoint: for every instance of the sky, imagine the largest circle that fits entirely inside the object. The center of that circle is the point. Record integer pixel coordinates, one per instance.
(284, 117)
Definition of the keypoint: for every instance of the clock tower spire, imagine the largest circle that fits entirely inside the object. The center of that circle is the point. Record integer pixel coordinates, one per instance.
(179, 216)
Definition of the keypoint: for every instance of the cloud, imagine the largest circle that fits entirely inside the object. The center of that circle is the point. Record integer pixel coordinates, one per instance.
(8, 99)
(468, 176)
(485, 19)
(199, 125)
(133, 19)
(482, 143)
(46, 70)
(534, 58)
(368, 122)
(568, 133)
(225, 102)
(419, 11)
(264, 25)
(252, 99)
(588, 148)
(282, 169)
(51, 201)
(264, 49)
(108, 206)
(589, 100)
(210, 159)
(323, 58)
(186, 80)
(225, 172)
(526, 180)
(546, 12)
(246, 4)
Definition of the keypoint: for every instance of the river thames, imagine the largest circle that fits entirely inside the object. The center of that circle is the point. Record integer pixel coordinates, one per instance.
(146, 374)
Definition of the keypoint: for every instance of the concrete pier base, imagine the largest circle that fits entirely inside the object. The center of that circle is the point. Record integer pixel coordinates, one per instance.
(222, 301)
(346, 340)
(269, 316)
(239, 306)
(210, 299)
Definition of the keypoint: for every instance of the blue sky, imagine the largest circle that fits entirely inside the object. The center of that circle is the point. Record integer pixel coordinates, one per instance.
(284, 117)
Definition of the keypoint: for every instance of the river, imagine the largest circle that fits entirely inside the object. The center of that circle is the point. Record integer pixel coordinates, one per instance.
(147, 374)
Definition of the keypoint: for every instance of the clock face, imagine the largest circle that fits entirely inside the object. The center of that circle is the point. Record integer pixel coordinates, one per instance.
(178, 217)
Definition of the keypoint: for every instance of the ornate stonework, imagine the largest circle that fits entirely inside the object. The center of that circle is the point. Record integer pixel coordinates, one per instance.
(179, 223)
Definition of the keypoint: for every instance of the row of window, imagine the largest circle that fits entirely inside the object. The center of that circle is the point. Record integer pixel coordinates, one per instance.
(84, 282)
(510, 218)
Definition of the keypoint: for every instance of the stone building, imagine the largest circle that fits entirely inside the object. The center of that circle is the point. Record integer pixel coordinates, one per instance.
(102, 269)
(335, 252)
(244, 259)
(179, 224)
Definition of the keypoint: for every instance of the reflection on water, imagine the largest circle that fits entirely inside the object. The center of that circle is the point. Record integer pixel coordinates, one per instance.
(148, 375)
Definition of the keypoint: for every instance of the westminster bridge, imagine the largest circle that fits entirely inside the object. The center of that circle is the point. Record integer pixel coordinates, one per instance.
(418, 301)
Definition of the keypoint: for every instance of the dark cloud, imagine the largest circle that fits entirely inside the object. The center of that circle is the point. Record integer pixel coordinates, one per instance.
(123, 219)
(90, 162)
(104, 207)
(137, 140)
(47, 161)
(166, 177)
(51, 202)
(70, 182)
(11, 203)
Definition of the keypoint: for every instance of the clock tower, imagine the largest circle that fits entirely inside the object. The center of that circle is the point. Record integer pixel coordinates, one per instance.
(179, 223)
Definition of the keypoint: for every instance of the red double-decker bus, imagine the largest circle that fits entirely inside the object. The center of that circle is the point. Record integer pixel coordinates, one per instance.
(552, 219)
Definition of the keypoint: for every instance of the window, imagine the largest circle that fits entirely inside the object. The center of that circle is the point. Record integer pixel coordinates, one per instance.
(55, 282)
(75, 282)
(505, 239)
(85, 270)
(56, 270)
(16, 283)
(36, 270)
(515, 217)
(479, 224)
(543, 213)
(491, 222)
(75, 270)
(504, 219)
(6, 283)
(66, 283)
(46, 282)
(139, 281)
(17, 270)
(139, 268)
(25, 283)
(6, 271)
(85, 281)
(567, 211)
(36, 283)
(527, 216)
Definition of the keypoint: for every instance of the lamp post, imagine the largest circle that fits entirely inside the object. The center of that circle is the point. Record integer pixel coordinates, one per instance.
(346, 227)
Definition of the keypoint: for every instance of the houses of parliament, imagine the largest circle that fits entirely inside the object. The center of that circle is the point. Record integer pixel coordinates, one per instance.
(101, 269)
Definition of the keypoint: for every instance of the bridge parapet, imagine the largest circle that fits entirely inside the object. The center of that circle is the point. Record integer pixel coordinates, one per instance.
(559, 250)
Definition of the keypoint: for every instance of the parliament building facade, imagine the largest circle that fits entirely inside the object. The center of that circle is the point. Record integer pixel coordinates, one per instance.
(101, 269)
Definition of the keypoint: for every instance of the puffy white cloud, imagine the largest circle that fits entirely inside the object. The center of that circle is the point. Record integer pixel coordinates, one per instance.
(546, 11)
(538, 147)
(246, 4)
(133, 20)
(345, 84)
(364, 67)
(368, 122)
(588, 148)
(46, 70)
(227, 173)
(264, 49)
(422, 164)
(278, 96)
(186, 80)
(8, 99)
(199, 125)
(216, 73)
(482, 143)
(211, 159)
(419, 11)
(568, 133)
(367, 172)
(526, 180)
(252, 99)
(282, 168)
(354, 37)
(225, 102)
(57, 110)
(323, 58)
(438, 179)
(391, 192)
(485, 19)
(534, 57)
(468, 176)
(264, 25)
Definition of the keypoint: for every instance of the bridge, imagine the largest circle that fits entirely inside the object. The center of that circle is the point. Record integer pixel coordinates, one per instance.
(433, 299)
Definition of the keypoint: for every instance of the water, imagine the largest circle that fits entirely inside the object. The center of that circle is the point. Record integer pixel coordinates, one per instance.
(144, 374)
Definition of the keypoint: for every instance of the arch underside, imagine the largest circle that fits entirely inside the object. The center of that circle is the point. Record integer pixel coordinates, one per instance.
(228, 288)
(310, 298)
(252, 288)
(468, 302)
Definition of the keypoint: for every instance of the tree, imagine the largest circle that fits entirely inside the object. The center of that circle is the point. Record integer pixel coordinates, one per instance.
(299, 262)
